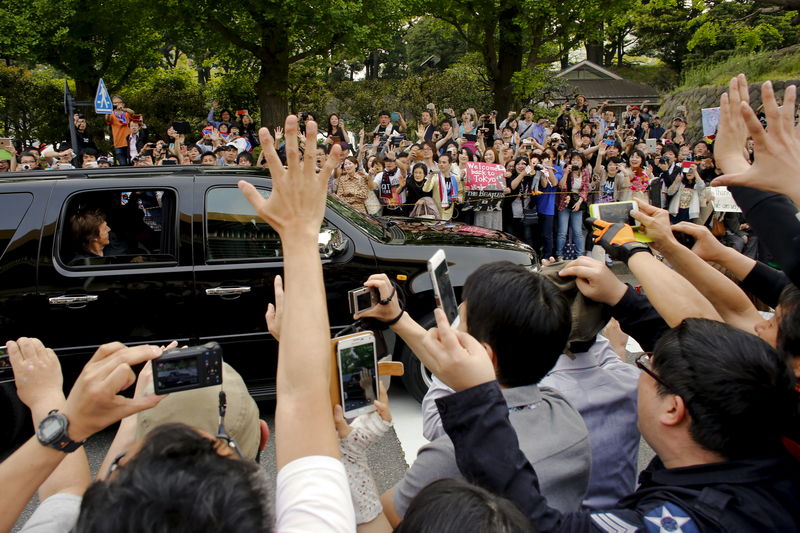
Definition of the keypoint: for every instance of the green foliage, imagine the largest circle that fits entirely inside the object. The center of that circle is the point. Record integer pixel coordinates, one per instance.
(80, 39)
(39, 115)
(781, 65)
(163, 96)
(537, 84)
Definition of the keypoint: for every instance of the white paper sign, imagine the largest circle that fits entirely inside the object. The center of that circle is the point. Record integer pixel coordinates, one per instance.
(710, 121)
(722, 200)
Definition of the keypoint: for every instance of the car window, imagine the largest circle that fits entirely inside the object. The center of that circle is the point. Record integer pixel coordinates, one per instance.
(119, 227)
(234, 231)
(13, 207)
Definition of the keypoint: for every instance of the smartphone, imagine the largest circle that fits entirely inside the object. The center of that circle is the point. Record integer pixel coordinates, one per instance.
(241, 112)
(5, 143)
(443, 291)
(609, 142)
(430, 107)
(6, 372)
(615, 212)
(395, 116)
(358, 374)
(362, 298)
(188, 368)
(169, 162)
(686, 166)
(651, 145)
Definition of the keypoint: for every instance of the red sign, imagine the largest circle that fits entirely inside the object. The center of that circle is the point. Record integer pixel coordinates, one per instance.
(485, 176)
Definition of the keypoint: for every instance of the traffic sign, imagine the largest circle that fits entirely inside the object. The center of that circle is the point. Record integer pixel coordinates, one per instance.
(102, 102)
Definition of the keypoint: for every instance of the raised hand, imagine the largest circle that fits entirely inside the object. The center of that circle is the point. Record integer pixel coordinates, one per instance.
(275, 312)
(777, 149)
(297, 203)
(456, 357)
(37, 374)
(94, 401)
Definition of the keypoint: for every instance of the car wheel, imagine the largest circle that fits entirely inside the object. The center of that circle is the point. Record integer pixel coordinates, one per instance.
(416, 378)
(16, 418)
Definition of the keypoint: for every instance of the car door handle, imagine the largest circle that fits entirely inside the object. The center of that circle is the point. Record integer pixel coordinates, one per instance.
(71, 300)
(227, 291)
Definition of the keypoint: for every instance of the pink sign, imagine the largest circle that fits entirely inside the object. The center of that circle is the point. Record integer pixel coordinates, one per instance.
(485, 176)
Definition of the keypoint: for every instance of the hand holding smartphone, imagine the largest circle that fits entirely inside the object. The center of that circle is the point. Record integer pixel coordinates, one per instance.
(358, 374)
(442, 287)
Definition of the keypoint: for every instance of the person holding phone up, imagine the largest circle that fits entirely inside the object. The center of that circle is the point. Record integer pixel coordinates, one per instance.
(684, 194)
(574, 194)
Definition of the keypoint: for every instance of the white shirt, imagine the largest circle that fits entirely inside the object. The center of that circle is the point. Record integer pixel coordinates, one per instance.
(313, 495)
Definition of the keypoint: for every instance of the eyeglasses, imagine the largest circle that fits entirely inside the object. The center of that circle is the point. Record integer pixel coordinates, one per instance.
(645, 363)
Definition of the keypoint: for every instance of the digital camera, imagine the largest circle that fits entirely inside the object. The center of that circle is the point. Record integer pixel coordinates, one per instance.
(189, 368)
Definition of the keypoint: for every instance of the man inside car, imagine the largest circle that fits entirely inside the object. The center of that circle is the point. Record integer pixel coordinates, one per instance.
(90, 233)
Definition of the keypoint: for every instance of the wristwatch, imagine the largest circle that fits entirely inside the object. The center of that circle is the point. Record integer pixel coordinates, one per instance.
(52, 431)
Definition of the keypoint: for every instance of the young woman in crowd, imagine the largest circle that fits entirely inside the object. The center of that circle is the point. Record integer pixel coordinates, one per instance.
(353, 186)
(685, 193)
(429, 156)
(336, 129)
(248, 129)
(574, 194)
(611, 180)
(512, 203)
(490, 219)
(641, 174)
(546, 202)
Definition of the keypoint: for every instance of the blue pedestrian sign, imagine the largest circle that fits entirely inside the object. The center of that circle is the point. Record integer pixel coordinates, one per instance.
(102, 102)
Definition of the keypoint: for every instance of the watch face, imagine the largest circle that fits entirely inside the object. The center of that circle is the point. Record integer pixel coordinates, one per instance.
(52, 428)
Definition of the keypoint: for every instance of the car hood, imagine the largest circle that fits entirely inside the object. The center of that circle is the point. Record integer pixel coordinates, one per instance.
(440, 232)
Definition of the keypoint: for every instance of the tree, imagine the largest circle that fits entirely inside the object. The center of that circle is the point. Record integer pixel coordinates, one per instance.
(84, 39)
(278, 34)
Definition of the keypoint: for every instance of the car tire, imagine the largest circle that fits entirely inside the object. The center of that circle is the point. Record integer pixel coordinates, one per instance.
(416, 378)
(16, 417)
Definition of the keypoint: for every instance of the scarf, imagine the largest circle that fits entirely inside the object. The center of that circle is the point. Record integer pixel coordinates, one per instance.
(448, 190)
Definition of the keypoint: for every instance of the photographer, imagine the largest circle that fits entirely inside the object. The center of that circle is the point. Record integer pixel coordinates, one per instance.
(574, 189)
(685, 193)
(28, 161)
(120, 120)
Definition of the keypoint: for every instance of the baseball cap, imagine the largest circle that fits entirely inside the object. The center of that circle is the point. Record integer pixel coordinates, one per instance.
(678, 118)
(636, 107)
(102, 159)
(199, 408)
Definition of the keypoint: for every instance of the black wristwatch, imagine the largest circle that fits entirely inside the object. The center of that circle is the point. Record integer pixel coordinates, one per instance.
(52, 431)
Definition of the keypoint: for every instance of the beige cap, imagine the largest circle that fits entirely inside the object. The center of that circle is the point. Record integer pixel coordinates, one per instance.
(199, 408)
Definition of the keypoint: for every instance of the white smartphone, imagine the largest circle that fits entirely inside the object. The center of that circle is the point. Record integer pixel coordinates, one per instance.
(442, 287)
(615, 212)
(358, 374)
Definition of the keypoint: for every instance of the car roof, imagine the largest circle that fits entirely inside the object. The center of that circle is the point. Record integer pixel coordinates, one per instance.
(127, 172)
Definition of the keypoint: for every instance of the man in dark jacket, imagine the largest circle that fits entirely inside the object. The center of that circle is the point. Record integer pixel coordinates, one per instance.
(714, 402)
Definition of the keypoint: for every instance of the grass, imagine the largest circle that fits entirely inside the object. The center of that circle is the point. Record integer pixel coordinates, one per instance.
(758, 67)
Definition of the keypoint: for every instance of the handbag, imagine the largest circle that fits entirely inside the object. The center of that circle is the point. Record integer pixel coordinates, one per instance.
(530, 216)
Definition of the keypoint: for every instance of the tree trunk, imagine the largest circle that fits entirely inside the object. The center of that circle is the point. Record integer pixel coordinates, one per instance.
(273, 81)
(594, 51)
(509, 57)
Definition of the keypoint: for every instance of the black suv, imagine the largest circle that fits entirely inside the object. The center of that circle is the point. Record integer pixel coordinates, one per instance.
(189, 260)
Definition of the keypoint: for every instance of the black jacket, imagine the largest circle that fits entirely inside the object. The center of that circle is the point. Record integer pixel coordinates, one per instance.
(772, 217)
(759, 494)
(638, 318)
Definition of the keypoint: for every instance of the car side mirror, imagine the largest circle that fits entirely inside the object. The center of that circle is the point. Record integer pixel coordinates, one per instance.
(331, 242)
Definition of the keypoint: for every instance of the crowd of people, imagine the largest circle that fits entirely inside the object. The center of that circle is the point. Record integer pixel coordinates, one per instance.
(534, 416)
(553, 171)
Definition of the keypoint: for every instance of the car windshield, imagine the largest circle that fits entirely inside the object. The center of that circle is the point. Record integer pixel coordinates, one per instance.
(372, 226)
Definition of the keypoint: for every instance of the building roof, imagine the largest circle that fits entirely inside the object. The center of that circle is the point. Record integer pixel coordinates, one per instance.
(598, 83)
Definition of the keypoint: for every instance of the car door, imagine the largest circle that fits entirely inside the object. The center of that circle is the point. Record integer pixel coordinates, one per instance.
(142, 294)
(237, 256)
